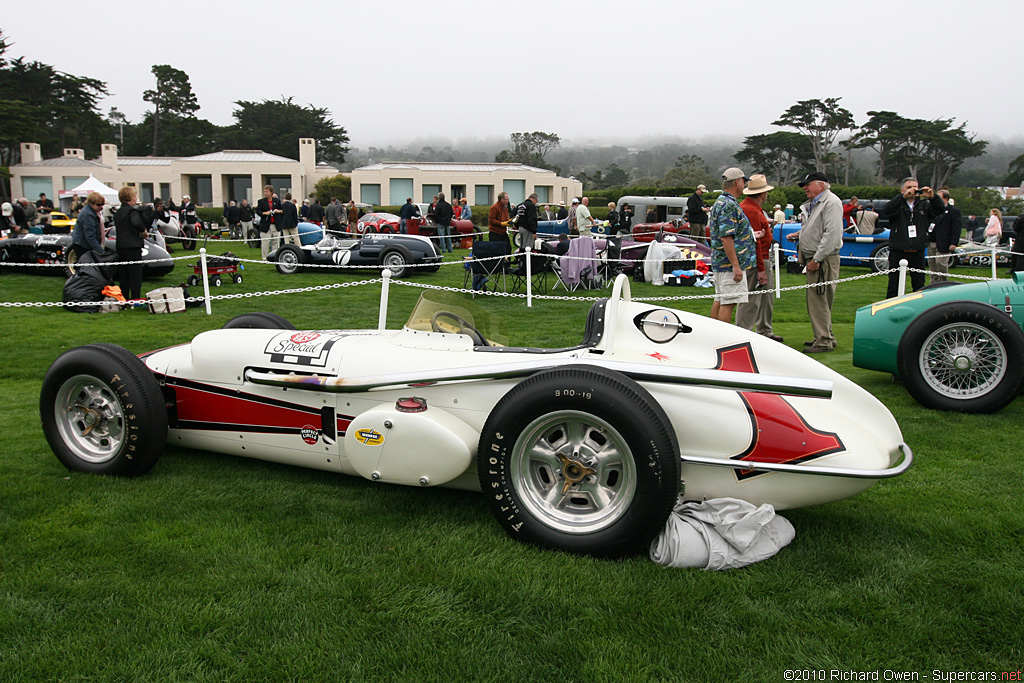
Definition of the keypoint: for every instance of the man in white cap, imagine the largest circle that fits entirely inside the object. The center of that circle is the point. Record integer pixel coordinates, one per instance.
(733, 251)
(697, 213)
(14, 219)
(780, 215)
(756, 314)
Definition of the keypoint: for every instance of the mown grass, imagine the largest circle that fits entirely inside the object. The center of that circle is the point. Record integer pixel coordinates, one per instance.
(215, 568)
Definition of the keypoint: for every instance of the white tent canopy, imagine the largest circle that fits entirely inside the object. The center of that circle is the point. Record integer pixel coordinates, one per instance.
(93, 185)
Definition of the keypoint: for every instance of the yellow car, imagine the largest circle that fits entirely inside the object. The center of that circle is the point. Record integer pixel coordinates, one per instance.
(61, 220)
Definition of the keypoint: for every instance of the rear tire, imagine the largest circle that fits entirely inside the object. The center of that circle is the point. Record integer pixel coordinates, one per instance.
(258, 321)
(397, 260)
(879, 258)
(188, 237)
(103, 411)
(252, 238)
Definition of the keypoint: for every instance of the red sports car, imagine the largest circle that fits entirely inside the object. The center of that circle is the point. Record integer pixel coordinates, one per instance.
(388, 222)
(648, 232)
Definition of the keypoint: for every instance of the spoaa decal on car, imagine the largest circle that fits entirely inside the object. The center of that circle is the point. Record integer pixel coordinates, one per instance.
(779, 433)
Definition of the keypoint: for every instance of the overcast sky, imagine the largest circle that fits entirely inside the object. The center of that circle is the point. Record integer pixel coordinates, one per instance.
(593, 72)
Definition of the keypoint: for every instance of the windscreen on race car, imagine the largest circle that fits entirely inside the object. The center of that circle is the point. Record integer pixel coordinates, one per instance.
(442, 311)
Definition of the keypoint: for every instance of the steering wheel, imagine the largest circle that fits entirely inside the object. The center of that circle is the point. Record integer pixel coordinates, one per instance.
(464, 327)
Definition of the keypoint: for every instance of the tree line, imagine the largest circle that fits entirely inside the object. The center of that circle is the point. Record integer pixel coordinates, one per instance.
(40, 104)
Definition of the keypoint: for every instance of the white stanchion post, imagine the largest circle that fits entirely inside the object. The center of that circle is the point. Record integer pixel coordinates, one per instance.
(529, 279)
(902, 289)
(382, 319)
(994, 276)
(778, 273)
(206, 279)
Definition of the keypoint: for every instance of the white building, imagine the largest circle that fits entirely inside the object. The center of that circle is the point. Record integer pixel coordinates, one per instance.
(390, 183)
(209, 179)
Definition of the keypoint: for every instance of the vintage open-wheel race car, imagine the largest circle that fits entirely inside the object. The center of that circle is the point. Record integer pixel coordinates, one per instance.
(584, 449)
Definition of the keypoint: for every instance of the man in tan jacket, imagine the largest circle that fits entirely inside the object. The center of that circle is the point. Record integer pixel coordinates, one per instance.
(821, 236)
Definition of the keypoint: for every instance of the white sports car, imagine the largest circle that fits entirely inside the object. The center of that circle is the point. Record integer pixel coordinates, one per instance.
(584, 449)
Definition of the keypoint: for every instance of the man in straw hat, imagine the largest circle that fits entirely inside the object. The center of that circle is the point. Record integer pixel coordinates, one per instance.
(756, 313)
(820, 237)
(732, 246)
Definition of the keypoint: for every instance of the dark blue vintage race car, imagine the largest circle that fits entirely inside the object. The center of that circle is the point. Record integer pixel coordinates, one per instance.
(45, 249)
(399, 253)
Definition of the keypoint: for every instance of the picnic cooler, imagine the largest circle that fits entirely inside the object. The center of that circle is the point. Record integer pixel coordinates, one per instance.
(160, 300)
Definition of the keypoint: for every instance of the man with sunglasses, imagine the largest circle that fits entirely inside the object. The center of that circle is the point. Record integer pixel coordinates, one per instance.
(88, 232)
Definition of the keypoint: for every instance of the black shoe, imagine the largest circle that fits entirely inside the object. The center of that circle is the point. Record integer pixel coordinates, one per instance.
(775, 337)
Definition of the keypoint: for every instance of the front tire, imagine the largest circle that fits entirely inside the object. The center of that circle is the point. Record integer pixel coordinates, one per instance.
(188, 237)
(582, 460)
(289, 259)
(252, 238)
(103, 411)
(962, 356)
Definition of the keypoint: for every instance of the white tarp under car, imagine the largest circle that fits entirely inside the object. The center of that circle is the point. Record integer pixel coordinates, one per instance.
(586, 449)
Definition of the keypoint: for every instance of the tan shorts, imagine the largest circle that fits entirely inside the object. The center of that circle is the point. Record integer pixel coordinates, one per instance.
(728, 291)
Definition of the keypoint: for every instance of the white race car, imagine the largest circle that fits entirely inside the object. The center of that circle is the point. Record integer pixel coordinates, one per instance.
(584, 449)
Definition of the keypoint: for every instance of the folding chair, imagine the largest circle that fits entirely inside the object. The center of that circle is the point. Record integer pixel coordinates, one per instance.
(582, 268)
(540, 265)
(610, 259)
(482, 266)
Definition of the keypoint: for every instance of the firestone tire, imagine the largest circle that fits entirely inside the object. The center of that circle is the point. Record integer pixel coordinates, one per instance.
(103, 411)
(962, 356)
(258, 321)
(581, 460)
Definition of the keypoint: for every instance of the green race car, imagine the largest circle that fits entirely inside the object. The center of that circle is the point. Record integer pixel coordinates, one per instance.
(955, 346)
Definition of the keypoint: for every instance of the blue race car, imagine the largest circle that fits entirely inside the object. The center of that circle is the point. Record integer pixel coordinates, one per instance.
(857, 249)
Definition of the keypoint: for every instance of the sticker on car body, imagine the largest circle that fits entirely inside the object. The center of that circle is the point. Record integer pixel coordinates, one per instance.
(306, 348)
(369, 437)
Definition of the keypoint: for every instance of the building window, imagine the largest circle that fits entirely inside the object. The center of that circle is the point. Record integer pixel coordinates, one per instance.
(165, 190)
(146, 193)
(369, 193)
(543, 193)
(429, 191)
(32, 186)
(516, 191)
(484, 195)
(71, 182)
(399, 189)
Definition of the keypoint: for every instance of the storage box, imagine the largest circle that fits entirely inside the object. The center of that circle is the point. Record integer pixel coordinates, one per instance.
(159, 300)
(680, 281)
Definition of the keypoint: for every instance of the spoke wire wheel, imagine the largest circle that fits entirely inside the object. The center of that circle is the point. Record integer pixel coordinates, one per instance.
(544, 480)
(880, 259)
(963, 360)
(90, 418)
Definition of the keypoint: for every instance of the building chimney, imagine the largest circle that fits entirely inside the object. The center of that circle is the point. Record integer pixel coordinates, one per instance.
(108, 157)
(74, 153)
(307, 157)
(30, 152)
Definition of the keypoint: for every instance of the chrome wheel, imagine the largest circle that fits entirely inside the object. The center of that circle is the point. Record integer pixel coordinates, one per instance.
(880, 259)
(963, 360)
(287, 261)
(89, 418)
(573, 472)
(395, 262)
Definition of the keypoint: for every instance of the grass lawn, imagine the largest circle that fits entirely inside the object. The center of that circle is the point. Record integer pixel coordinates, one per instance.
(213, 568)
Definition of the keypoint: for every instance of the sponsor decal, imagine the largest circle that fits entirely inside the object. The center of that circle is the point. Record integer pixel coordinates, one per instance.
(779, 433)
(369, 437)
(658, 356)
(310, 434)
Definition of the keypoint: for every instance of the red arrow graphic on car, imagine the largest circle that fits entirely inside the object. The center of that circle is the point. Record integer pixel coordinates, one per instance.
(779, 433)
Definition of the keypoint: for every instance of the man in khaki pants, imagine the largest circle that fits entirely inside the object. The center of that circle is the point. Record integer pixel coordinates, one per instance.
(821, 236)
